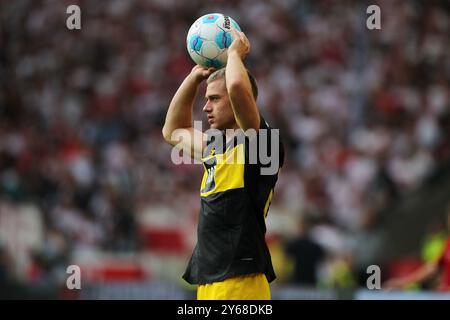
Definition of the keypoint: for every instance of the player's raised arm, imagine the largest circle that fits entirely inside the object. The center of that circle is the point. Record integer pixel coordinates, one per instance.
(178, 129)
(238, 83)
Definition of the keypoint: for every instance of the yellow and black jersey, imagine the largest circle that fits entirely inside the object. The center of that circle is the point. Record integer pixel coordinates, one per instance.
(235, 199)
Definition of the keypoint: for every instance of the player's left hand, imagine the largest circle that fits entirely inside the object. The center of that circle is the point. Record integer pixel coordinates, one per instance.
(240, 44)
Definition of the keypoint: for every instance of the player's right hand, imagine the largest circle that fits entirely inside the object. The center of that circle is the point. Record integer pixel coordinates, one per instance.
(200, 73)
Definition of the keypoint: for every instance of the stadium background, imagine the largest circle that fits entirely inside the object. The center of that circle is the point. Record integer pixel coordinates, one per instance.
(86, 178)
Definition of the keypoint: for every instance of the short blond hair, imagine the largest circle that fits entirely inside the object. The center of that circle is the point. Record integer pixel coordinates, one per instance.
(220, 74)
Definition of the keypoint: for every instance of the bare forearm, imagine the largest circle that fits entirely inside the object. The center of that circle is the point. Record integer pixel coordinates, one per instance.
(240, 92)
(179, 114)
(236, 73)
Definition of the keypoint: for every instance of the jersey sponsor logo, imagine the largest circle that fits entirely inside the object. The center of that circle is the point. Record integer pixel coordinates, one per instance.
(223, 171)
(210, 169)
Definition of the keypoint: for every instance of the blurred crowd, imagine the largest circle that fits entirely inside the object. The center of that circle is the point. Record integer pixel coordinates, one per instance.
(364, 114)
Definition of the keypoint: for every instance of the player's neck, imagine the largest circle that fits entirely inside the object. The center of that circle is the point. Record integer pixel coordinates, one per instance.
(230, 134)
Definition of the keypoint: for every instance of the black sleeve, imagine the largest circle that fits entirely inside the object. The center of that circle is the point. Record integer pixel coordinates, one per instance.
(271, 135)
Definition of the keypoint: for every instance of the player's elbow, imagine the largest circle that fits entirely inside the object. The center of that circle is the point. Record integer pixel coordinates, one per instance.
(251, 125)
(167, 133)
(236, 88)
(238, 93)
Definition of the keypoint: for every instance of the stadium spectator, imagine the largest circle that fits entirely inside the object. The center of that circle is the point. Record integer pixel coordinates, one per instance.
(307, 255)
(364, 114)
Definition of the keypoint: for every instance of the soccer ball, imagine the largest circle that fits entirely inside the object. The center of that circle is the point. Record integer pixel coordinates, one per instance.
(209, 38)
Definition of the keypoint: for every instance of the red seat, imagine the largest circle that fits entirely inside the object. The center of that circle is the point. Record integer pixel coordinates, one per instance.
(164, 240)
(403, 266)
(115, 271)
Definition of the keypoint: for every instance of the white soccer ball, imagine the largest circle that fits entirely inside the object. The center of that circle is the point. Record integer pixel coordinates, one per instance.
(209, 38)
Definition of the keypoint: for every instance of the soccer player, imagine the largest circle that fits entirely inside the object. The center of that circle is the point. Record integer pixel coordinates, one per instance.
(231, 259)
(440, 266)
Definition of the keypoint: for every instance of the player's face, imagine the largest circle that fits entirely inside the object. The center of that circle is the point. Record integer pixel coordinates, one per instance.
(218, 107)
